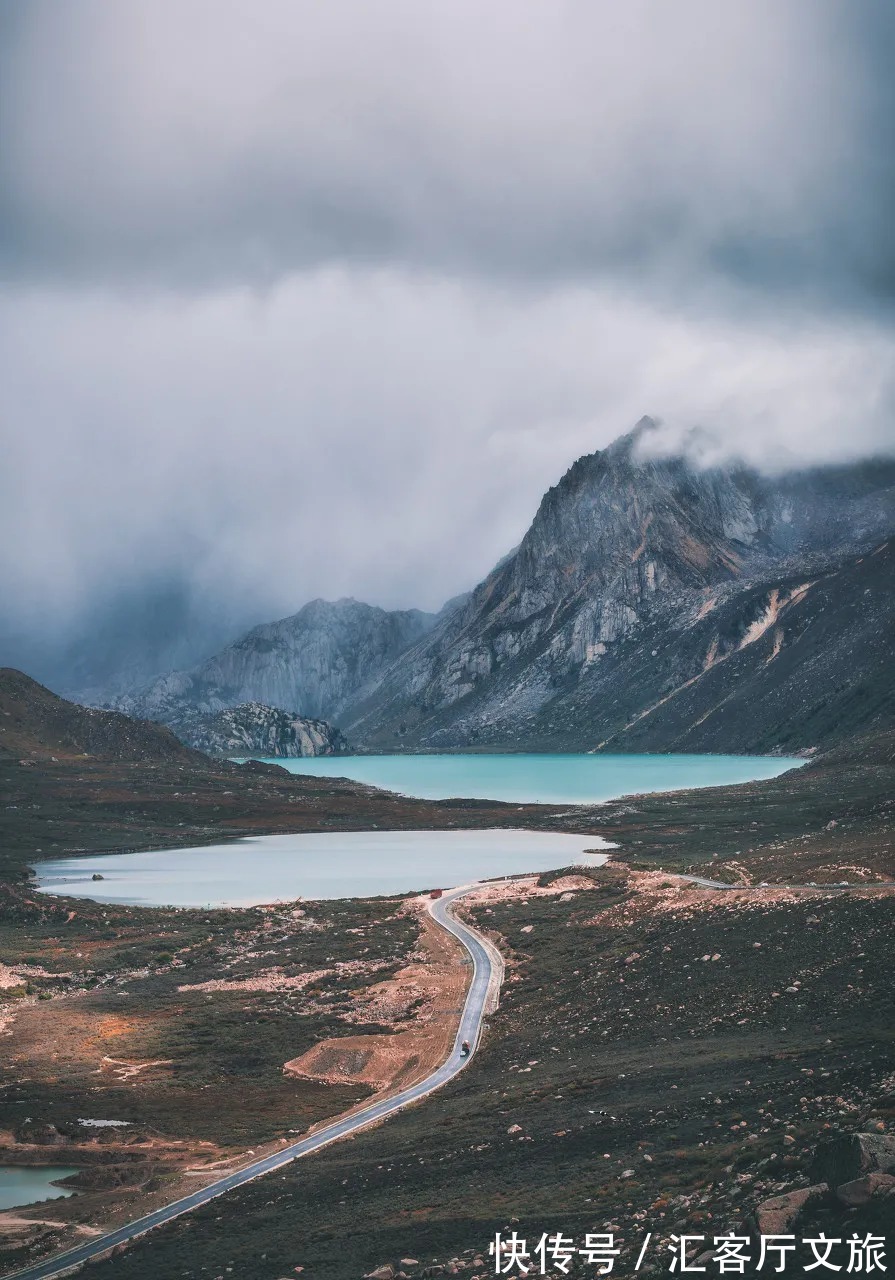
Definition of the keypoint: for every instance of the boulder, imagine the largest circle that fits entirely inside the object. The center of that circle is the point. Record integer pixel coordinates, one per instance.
(849, 1156)
(778, 1216)
(385, 1272)
(854, 1195)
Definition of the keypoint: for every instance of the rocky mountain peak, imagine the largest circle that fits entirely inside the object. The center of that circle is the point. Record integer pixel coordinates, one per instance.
(633, 554)
(627, 543)
(621, 525)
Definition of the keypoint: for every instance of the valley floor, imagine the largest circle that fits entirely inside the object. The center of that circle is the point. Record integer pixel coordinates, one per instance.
(664, 1059)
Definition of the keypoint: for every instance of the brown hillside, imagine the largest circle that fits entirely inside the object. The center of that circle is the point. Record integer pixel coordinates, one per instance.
(36, 724)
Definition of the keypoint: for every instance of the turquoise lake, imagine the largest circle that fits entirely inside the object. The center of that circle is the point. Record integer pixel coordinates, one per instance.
(20, 1186)
(541, 779)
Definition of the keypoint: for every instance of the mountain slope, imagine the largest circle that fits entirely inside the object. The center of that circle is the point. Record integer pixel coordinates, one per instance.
(36, 724)
(313, 661)
(786, 664)
(636, 575)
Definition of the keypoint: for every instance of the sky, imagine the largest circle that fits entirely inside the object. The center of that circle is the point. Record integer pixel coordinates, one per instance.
(304, 299)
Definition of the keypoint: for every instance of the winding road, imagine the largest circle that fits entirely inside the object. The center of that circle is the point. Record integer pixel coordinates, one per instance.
(480, 998)
(487, 972)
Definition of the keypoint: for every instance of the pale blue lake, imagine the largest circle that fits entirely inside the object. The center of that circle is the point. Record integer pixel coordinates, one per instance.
(345, 864)
(19, 1186)
(541, 779)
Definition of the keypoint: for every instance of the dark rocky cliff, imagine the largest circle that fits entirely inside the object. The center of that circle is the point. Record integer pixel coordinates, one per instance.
(254, 729)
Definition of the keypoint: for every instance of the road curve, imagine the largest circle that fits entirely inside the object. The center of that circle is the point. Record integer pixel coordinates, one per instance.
(486, 974)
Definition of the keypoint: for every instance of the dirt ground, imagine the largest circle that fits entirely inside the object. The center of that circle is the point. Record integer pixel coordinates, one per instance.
(180, 1039)
(640, 1017)
(427, 995)
(102, 1052)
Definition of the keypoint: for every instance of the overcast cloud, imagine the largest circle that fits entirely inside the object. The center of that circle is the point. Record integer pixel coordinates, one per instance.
(308, 299)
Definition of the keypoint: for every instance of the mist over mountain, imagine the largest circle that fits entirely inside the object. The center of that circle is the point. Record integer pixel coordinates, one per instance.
(321, 313)
(129, 636)
(654, 603)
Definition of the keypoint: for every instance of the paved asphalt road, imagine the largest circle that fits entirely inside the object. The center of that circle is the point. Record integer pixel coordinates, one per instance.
(470, 1029)
(810, 888)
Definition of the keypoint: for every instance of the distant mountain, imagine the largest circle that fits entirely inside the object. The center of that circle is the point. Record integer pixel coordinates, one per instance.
(656, 606)
(313, 662)
(254, 729)
(36, 724)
